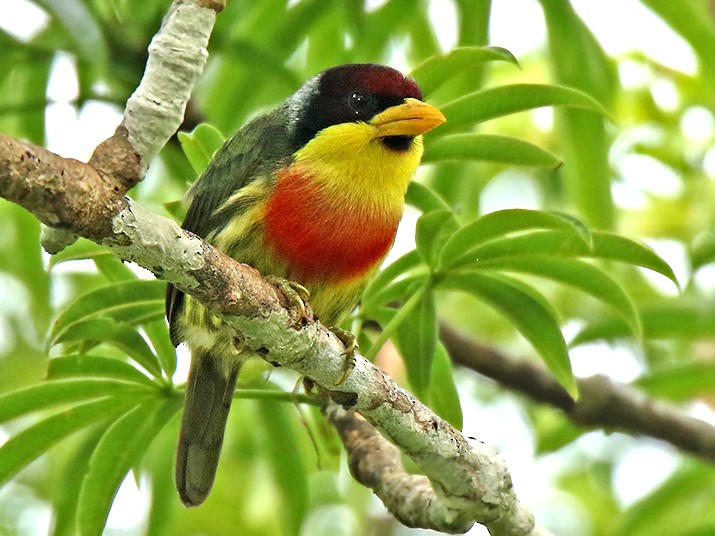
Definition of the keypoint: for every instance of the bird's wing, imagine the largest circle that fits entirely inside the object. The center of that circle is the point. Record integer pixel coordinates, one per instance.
(258, 149)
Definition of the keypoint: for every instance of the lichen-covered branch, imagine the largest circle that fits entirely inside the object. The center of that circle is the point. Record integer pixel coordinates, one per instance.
(376, 464)
(61, 192)
(603, 403)
(177, 55)
(415, 499)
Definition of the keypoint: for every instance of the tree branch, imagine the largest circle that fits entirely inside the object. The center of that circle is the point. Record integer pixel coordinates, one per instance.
(376, 464)
(177, 55)
(414, 500)
(603, 403)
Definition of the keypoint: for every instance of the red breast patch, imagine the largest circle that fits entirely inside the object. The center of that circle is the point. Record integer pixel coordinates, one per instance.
(321, 237)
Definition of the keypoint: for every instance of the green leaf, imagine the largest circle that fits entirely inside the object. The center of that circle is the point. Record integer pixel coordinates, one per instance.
(579, 274)
(410, 304)
(553, 430)
(327, 44)
(702, 251)
(163, 491)
(297, 22)
(422, 36)
(131, 301)
(539, 242)
(176, 209)
(667, 320)
(528, 314)
(379, 26)
(401, 266)
(605, 246)
(680, 382)
(66, 493)
(113, 268)
(473, 21)
(579, 61)
(200, 145)
(24, 261)
(692, 21)
(483, 147)
(439, 69)
(533, 243)
(81, 28)
(49, 394)
(29, 80)
(675, 507)
(31, 443)
(158, 334)
(495, 224)
(433, 230)
(416, 337)
(442, 395)
(585, 144)
(72, 366)
(82, 249)
(284, 453)
(424, 199)
(118, 334)
(120, 449)
(496, 102)
(399, 290)
(576, 55)
(619, 248)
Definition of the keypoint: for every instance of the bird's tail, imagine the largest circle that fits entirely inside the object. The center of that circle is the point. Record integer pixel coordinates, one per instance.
(209, 393)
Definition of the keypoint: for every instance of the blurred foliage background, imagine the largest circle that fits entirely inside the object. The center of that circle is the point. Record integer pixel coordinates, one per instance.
(647, 172)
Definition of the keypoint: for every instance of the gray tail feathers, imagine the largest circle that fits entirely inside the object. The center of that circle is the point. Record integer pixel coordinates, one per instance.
(208, 399)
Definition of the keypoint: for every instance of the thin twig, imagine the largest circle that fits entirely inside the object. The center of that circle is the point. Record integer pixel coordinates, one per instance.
(603, 403)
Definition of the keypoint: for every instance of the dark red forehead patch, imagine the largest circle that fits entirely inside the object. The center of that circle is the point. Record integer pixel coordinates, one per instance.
(346, 94)
(375, 79)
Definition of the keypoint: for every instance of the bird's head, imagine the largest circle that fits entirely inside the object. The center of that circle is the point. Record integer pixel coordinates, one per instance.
(367, 93)
(361, 118)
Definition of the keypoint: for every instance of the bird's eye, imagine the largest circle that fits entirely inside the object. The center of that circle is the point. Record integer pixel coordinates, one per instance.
(359, 102)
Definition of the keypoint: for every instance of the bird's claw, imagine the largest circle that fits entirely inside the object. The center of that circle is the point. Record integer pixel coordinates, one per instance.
(296, 294)
(351, 345)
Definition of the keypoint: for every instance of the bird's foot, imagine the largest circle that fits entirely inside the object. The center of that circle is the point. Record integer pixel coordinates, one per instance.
(351, 345)
(296, 294)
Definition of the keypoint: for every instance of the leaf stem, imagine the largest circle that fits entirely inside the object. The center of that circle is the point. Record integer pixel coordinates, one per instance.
(396, 321)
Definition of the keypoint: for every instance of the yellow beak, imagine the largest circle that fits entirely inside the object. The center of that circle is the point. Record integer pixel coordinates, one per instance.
(411, 118)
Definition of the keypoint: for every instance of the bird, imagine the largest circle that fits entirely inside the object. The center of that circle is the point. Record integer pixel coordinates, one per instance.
(311, 195)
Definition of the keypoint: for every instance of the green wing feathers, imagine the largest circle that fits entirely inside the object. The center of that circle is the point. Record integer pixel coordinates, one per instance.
(257, 150)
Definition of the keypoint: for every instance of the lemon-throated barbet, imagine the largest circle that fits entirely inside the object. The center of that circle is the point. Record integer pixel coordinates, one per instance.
(311, 192)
